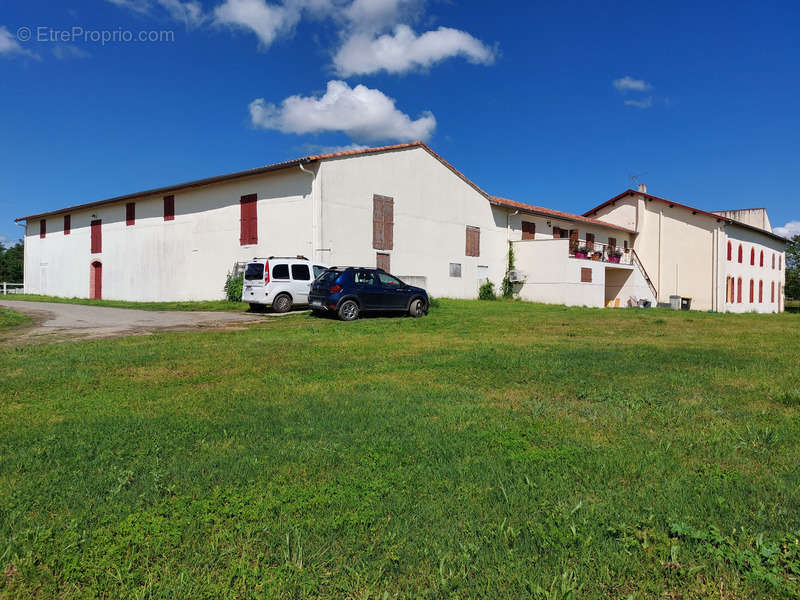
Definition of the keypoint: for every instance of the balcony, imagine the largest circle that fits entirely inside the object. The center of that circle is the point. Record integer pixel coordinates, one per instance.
(599, 252)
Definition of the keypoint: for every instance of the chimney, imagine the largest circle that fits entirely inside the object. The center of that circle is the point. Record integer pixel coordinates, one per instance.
(643, 188)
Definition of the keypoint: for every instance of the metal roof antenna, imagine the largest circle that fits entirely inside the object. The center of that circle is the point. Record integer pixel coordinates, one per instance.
(634, 177)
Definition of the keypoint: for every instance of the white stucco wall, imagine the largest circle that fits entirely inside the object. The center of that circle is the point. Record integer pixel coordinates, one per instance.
(678, 250)
(753, 240)
(183, 259)
(328, 216)
(432, 207)
(686, 253)
(552, 277)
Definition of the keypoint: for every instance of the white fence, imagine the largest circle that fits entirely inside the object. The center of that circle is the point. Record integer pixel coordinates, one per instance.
(11, 288)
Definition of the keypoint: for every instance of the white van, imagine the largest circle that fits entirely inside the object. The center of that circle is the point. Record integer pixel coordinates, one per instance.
(279, 281)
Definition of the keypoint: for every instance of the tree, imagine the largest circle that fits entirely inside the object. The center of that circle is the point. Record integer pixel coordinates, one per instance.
(793, 268)
(11, 262)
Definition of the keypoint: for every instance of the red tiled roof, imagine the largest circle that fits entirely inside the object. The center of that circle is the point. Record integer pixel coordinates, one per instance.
(696, 211)
(549, 212)
(651, 197)
(228, 176)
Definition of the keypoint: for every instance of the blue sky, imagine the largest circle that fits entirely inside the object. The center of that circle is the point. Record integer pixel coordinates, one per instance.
(552, 103)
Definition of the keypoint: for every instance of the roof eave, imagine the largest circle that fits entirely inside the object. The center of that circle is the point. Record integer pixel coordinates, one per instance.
(246, 173)
(533, 211)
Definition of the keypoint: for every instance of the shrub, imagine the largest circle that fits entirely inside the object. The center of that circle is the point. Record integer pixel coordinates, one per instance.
(486, 291)
(233, 287)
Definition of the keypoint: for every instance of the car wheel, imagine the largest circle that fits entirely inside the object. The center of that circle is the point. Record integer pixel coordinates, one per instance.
(417, 308)
(348, 311)
(282, 304)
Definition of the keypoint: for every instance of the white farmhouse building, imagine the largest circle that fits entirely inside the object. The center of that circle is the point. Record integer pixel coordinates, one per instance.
(400, 207)
(725, 260)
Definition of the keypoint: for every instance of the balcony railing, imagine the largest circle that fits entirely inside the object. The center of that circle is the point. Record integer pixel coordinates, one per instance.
(601, 252)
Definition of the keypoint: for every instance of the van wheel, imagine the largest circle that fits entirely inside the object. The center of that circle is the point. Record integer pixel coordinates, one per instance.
(282, 304)
(348, 311)
(417, 308)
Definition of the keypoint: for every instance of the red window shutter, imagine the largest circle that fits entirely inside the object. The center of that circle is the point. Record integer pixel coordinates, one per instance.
(42, 228)
(752, 257)
(586, 275)
(730, 251)
(249, 219)
(780, 262)
(97, 239)
(377, 222)
(760, 291)
(612, 244)
(739, 290)
(740, 253)
(590, 242)
(473, 241)
(772, 292)
(169, 208)
(752, 291)
(382, 261)
(67, 224)
(761, 260)
(130, 213)
(773, 260)
(574, 234)
(388, 223)
(528, 230)
(382, 222)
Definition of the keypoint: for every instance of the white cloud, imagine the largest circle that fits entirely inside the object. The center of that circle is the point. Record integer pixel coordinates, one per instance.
(791, 229)
(376, 15)
(140, 6)
(627, 83)
(646, 103)
(188, 12)
(68, 51)
(9, 46)
(364, 114)
(317, 149)
(267, 21)
(404, 50)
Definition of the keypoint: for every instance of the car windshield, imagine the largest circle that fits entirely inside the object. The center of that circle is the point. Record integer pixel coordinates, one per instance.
(329, 276)
(254, 271)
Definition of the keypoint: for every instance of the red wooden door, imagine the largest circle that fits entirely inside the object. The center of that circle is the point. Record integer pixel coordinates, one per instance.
(96, 281)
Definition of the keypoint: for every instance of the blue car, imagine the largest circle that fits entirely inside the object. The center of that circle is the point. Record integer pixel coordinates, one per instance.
(349, 291)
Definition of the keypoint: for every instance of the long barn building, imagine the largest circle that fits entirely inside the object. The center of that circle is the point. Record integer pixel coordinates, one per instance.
(407, 210)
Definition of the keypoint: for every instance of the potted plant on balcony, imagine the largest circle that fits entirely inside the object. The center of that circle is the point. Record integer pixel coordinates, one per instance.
(597, 255)
(580, 252)
(614, 256)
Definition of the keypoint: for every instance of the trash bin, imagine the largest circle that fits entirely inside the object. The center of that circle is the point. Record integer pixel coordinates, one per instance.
(675, 302)
(686, 303)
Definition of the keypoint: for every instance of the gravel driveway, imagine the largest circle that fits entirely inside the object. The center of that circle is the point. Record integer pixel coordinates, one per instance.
(100, 321)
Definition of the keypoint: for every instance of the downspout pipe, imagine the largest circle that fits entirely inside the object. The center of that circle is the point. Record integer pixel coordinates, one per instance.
(508, 224)
(314, 224)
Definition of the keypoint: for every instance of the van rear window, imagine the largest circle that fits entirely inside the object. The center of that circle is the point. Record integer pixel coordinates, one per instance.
(254, 271)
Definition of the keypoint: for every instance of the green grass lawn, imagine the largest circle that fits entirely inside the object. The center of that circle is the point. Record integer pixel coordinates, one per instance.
(10, 318)
(496, 449)
(208, 305)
